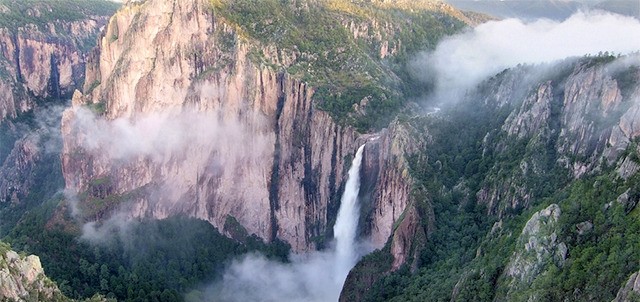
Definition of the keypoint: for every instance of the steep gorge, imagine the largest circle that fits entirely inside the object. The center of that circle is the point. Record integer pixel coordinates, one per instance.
(246, 117)
(558, 140)
(267, 157)
(42, 61)
(44, 58)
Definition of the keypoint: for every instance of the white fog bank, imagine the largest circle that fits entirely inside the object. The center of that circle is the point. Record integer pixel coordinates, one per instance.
(462, 61)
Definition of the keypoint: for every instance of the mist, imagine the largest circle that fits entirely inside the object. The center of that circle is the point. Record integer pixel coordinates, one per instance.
(462, 61)
(177, 147)
(160, 136)
(312, 277)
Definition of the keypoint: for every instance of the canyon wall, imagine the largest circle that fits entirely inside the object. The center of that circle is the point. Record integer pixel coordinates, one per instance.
(250, 145)
(42, 61)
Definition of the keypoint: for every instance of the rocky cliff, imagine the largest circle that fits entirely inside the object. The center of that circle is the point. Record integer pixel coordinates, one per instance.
(248, 144)
(42, 53)
(561, 136)
(22, 279)
(42, 60)
(537, 247)
(575, 119)
(630, 291)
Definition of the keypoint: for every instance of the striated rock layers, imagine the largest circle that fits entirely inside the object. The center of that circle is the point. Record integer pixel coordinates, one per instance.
(181, 120)
(45, 60)
(41, 61)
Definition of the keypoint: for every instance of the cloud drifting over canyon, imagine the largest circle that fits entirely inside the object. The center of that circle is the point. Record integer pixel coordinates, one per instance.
(167, 155)
(162, 135)
(462, 61)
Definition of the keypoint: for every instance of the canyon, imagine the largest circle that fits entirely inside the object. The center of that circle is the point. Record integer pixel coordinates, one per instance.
(249, 117)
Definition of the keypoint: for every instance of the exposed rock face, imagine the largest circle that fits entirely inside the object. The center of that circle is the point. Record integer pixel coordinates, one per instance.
(386, 180)
(37, 63)
(19, 165)
(46, 61)
(23, 279)
(263, 154)
(628, 199)
(536, 249)
(631, 290)
(385, 164)
(575, 120)
(410, 237)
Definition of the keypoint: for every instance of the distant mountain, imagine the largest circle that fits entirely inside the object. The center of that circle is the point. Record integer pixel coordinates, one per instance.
(551, 9)
(623, 7)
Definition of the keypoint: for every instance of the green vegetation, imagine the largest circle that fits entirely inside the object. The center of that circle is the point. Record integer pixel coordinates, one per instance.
(149, 260)
(98, 108)
(626, 79)
(602, 259)
(4, 248)
(345, 69)
(19, 13)
(93, 86)
(467, 254)
(43, 180)
(448, 171)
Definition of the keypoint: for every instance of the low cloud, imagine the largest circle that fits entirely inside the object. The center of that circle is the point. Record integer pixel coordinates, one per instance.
(462, 61)
(102, 232)
(168, 154)
(162, 135)
(312, 277)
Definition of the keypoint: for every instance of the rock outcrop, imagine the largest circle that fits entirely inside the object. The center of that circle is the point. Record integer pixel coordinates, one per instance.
(631, 289)
(536, 249)
(19, 165)
(22, 279)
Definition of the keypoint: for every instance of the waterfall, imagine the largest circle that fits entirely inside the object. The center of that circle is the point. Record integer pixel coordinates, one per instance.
(314, 277)
(347, 221)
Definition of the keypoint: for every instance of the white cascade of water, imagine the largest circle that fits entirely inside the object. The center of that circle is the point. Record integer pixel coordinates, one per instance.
(314, 277)
(347, 222)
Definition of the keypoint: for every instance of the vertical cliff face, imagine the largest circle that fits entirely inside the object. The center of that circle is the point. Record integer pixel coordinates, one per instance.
(387, 187)
(221, 134)
(42, 50)
(43, 60)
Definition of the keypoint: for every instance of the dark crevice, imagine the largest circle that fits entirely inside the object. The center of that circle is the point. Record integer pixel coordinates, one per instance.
(274, 183)
(310, 181)
(53, 85)
(370, 170)
(16, 58)
(334, 191)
